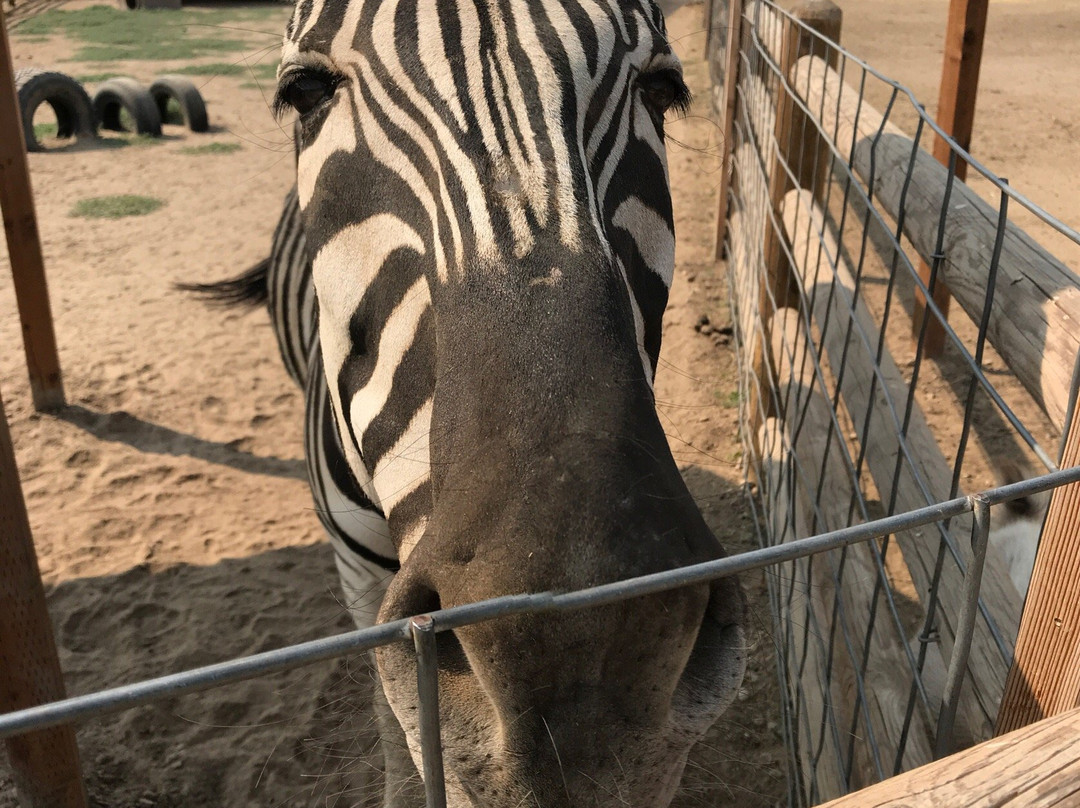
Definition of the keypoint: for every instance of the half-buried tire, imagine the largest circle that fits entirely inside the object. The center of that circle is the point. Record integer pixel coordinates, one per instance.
(187, 98)
(69, 102)
(127, 95)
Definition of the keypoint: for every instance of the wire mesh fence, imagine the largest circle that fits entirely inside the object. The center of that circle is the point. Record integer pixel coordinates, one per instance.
(420, 629)
(898, 593)
(847, 241)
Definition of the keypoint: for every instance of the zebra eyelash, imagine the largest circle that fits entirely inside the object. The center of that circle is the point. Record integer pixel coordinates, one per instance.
(291, 82)
(681, 97)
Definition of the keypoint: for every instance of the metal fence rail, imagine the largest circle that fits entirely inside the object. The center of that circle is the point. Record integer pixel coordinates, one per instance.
(860, 396)
(422, 628)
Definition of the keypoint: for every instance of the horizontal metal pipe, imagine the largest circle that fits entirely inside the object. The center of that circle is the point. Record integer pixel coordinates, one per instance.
(133, 695)
(125, 697)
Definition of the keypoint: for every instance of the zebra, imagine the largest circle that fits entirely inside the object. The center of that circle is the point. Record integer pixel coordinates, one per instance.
(475, 316)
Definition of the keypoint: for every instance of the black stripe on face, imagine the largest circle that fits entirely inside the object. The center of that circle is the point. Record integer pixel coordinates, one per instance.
(413, 385)
(394, 278)
(586, 32)
(384, 294)
(413, 507)
(322, 33)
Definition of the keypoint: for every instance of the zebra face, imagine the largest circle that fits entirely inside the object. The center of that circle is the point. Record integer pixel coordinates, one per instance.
(485, 198)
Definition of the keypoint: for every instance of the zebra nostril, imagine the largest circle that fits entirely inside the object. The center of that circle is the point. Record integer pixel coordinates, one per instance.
(419, 598)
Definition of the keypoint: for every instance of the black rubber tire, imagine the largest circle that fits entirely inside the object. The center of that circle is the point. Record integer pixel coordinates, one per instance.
(127, 94)
(186, 95)
(68, 99)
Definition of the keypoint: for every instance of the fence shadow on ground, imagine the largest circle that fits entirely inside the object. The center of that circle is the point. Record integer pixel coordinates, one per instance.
(123, 427)
(292, 739)
(298, 738)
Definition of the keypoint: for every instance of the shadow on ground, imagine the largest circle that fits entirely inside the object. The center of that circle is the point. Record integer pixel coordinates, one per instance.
(123, 427)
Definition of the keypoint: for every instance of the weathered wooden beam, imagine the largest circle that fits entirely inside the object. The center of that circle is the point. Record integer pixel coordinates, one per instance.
(1036, 767)
(807, 583)
(1037, 299)
(1045, 678)
(964, 35)
(45, 763)
(730, 110)
(24, 244)
(798, 147)
(840, 315)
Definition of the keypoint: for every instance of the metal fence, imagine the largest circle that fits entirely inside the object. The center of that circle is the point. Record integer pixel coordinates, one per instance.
(847, 240)
(421, 629)
(894, 633)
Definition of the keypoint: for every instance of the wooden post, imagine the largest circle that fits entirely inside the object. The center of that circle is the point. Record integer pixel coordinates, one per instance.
(798, 144)
(956, 115)
(795, 139)
(731, 84)
(45, 763)
(24, 244)
(1045, 676)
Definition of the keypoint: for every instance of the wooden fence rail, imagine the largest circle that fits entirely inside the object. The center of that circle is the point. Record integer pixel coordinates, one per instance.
(1036, 767)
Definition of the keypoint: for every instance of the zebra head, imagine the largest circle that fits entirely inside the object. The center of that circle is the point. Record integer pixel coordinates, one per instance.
(484, 191)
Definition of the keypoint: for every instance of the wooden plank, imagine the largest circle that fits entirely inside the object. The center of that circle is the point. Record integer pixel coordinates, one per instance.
(832, 298)
(964, 35)
(1037, 299)
(24, 244)
(45, 763)
(1045, 676)
(824, 679)
(731, 78)
(1034, 767)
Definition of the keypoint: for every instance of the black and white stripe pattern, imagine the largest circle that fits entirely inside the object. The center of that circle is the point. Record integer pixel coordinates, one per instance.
(457, 138)
(483, 194)
(357, 529)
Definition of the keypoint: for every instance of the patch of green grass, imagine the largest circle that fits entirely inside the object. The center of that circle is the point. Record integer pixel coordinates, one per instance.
(173, 113)
(29, 40)
(182, 48)
(728, 401)
(259, 71)
(212, 69)
(43, 130)
(96, 78)
(110, 34)
(144, 140)
(212, 148)
(116, 207)
(266, 70)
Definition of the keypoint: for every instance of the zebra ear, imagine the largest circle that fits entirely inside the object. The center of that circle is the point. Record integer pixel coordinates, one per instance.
(1032, 506)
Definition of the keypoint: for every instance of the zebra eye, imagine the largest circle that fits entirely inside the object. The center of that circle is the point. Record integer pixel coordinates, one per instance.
(664, 90)
(305, 90)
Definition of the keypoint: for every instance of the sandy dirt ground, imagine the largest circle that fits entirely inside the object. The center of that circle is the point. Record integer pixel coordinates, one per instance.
(172, 520)
(1027, 112)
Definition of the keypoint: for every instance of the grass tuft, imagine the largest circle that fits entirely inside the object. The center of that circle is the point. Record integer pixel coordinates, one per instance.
(96, 78)
(212, 69)
(116, 207)
(212, 148)
(44, 130)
